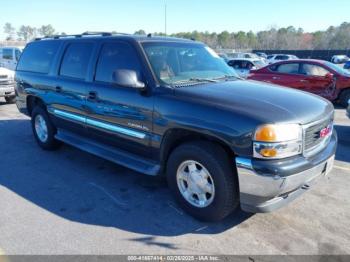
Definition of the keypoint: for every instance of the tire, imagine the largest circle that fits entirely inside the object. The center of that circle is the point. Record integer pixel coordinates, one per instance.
(224, 199)
(10, 99)
(45, 139)
(344, 98)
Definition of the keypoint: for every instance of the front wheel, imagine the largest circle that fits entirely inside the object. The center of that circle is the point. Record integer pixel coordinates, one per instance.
(203, 181)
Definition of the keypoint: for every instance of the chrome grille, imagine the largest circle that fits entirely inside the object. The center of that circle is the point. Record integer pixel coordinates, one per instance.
(3, 76)
(313, 141)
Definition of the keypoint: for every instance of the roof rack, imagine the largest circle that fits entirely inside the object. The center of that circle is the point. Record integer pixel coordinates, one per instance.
(87, 33)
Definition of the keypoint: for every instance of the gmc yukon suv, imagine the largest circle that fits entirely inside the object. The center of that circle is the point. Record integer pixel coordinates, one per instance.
(172, 107)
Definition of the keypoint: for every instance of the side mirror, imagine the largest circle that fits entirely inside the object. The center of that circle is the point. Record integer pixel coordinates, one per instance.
(127, 78)
(329, 76)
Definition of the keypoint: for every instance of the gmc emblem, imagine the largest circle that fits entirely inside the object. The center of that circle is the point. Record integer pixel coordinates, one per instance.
(325, 131)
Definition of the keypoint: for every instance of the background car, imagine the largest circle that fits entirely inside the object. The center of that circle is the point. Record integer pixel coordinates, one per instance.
(7, 85)
(279, 57)
(9, 57)
(339, 59)
(261, 54)
(315, 76)
(249, 56)
(243, 66)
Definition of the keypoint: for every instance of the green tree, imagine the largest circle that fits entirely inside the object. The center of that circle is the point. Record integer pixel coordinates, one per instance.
(9, 30)
(46, 30)
(140, 32)
(27, 33)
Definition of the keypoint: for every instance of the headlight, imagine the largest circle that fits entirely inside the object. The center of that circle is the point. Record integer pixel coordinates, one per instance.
(277, 141)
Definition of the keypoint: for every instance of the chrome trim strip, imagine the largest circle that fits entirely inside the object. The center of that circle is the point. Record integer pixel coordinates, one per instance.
(69, 116)
(116, 129)
(99, 124)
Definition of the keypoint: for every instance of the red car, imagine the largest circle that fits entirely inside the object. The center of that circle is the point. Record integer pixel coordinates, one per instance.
(316, 76)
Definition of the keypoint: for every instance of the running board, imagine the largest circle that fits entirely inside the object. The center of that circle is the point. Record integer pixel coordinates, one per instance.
(110, 153)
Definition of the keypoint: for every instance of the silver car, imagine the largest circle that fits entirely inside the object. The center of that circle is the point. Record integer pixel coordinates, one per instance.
(7, 85)
(243, 66)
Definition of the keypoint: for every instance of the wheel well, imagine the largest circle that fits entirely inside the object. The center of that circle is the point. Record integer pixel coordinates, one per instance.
(32, 102)
(175, 137)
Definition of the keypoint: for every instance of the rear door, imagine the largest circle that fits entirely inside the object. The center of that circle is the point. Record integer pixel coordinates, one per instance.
(68, 99)
(316, 80)
(117, 115)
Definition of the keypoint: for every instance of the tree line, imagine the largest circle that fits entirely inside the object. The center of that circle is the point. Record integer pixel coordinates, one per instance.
(286, 38)
(27, 33)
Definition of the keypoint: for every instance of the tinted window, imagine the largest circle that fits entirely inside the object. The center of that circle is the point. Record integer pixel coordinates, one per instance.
(288, 68)
(314, 70)
(7, 54)
(76, 60)
(115, 56)
(37, 56)
(236, 64)
(270, 56)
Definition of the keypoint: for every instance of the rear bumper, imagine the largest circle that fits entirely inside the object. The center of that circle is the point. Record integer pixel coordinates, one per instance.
(7, 90)
(270, 190)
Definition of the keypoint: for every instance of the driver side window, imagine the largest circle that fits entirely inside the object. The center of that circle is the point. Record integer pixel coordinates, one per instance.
(113, 57)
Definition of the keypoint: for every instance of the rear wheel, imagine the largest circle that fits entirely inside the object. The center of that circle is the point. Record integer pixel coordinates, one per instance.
(202, 180)
(344, 98)
(10, 99)
(43, 129)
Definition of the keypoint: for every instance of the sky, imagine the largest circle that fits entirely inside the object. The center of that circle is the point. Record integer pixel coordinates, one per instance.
(77, 16)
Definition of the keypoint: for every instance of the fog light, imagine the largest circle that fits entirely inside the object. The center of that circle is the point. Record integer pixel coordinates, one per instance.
(268, 152)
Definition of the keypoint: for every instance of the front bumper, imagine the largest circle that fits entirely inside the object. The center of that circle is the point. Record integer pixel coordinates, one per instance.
(7, 90)
(267, 187)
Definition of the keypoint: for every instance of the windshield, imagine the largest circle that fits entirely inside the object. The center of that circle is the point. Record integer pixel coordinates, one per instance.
(338, 69)
(177, 63)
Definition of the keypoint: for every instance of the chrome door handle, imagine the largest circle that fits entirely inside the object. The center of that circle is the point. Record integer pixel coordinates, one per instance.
(303, 80)
(276, 78)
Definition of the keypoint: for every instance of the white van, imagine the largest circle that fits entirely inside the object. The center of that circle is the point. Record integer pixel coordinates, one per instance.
(9, 57)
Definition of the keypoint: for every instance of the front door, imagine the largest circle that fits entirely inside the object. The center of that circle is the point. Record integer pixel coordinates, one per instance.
(117, 115)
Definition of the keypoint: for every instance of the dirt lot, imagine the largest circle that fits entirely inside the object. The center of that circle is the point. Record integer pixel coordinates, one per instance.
(70, 202)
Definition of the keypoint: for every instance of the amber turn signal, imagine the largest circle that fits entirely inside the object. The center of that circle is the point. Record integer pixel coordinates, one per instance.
(266, 133)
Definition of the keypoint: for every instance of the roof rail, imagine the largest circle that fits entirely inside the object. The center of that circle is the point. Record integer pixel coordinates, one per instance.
(87, 33)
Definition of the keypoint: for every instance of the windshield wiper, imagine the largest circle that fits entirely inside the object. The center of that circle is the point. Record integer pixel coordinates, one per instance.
(194, 81)
(203, 80)
(227, 77)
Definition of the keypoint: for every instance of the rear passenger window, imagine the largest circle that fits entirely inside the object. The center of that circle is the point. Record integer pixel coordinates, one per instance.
(115, 56)
(76, 60)
(37, 56)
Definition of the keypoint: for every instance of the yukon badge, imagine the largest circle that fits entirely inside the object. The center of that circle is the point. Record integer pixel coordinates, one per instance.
(138, 126)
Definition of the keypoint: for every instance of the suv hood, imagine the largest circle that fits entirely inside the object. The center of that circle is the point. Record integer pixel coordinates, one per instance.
(264, 102)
